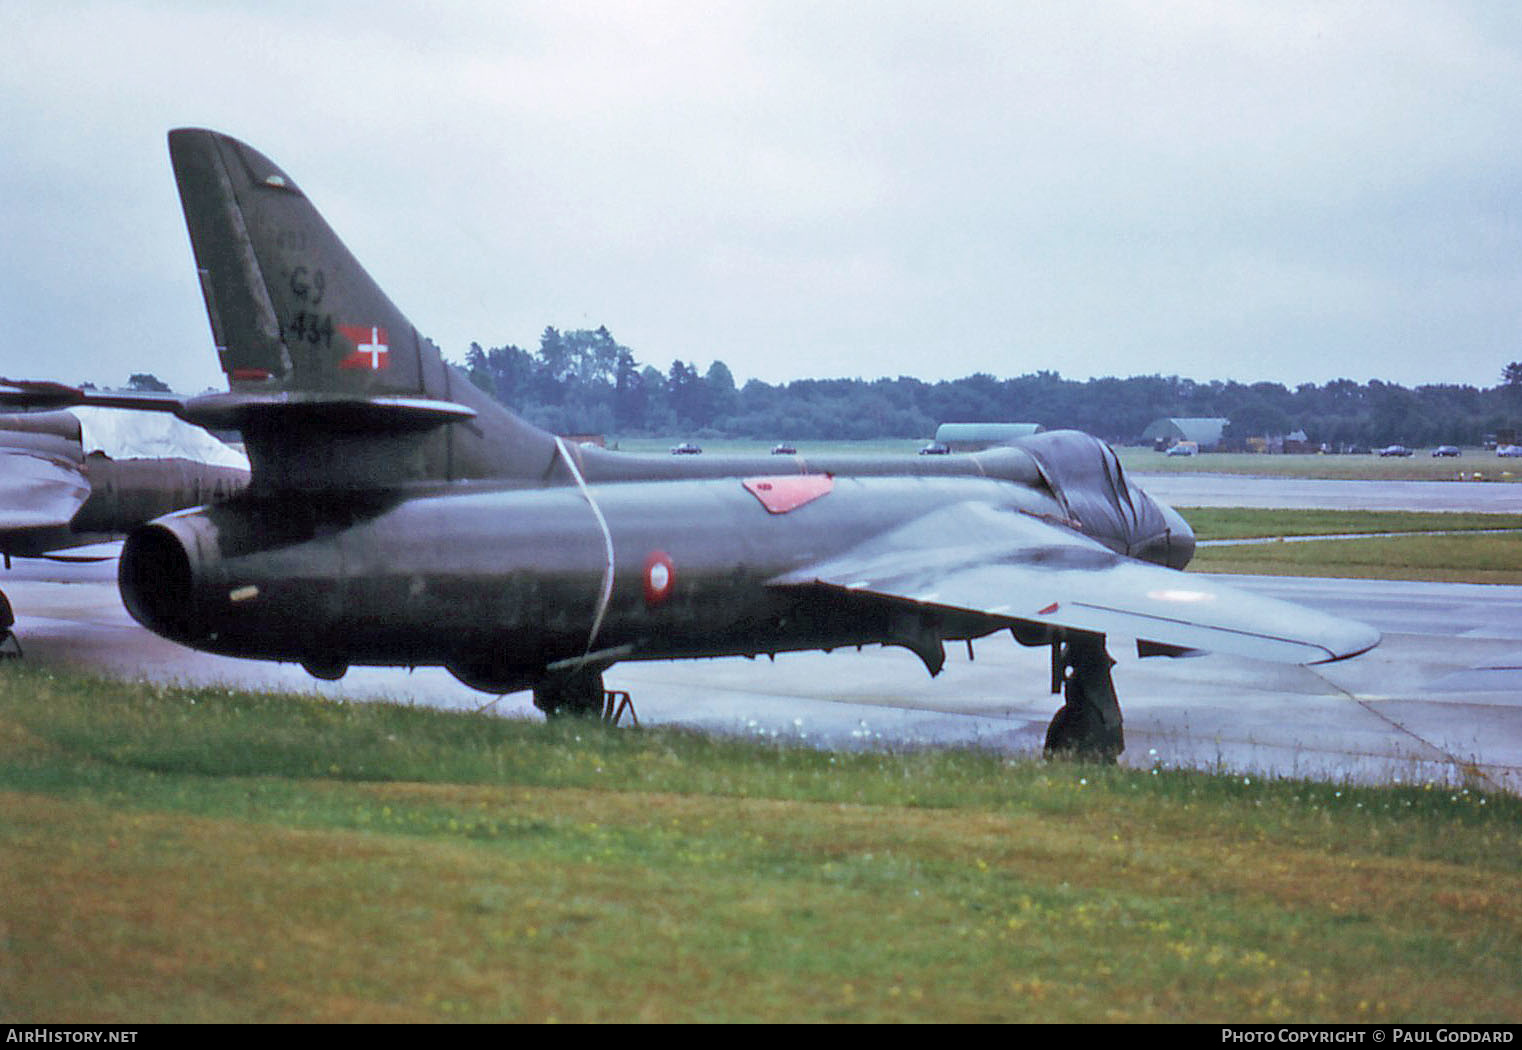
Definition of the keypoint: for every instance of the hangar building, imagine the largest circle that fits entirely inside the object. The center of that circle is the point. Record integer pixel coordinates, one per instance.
(1205, 432)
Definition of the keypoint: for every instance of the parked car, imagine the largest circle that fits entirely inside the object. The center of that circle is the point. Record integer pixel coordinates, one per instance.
(1184, 448)
(686, 448)
(1509, 450)
(935, 448)
(784, 449)
(1395, 450)
(1451, 451)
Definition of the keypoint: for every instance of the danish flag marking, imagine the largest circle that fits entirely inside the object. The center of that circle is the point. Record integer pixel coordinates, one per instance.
(371, 349)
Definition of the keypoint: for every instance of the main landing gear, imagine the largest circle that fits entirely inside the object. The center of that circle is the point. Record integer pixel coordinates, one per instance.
(1088, 725)
(580, 694)
(10, 648)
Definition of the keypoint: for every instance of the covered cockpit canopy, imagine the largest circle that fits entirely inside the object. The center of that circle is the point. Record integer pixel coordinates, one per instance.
(1085, 475)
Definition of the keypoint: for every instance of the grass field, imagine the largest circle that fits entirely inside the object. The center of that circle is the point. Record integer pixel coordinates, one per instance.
(1457, 558)
(201, 855)
(1230, 523)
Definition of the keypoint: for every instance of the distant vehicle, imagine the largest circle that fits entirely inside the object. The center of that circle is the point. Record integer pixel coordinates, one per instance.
(1509, 450)
(1359, 450)
(1184, 448)
(784, 450)
(686, 448)
(1451, 451)
(935, 448)
(1395, 450)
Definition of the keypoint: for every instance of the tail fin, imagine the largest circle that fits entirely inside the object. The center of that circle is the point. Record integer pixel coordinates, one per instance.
(329, 381)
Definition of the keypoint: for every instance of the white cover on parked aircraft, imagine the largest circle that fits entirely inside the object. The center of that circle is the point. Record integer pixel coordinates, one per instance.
(126, 434)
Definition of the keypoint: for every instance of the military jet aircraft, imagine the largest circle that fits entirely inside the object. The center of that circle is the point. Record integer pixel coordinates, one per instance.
(398, 516)
(70, 479)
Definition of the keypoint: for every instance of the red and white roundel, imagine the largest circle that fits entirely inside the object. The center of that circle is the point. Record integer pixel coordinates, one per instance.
(659, 577)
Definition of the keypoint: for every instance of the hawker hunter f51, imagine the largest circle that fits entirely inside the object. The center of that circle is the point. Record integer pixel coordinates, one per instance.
(397, 516)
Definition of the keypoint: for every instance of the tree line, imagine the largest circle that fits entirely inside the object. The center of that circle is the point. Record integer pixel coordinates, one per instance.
(586, 382)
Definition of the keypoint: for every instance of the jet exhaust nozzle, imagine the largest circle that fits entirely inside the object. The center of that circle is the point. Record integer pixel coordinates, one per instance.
(157, 582)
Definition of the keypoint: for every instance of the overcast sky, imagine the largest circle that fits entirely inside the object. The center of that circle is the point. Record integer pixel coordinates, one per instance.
(1220, 190)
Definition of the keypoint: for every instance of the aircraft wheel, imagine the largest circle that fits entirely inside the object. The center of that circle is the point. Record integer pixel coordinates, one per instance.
(1059, 735)
(328, 668)
(1081, 733)
(10, 648)
(577, 694)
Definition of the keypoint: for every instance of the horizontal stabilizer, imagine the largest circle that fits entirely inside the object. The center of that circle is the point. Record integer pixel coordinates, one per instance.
(236, 411)
(1014, 568)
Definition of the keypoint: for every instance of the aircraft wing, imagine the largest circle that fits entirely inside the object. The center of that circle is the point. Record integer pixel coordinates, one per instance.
(1012, 567)
(39, 393)
(39, 491)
